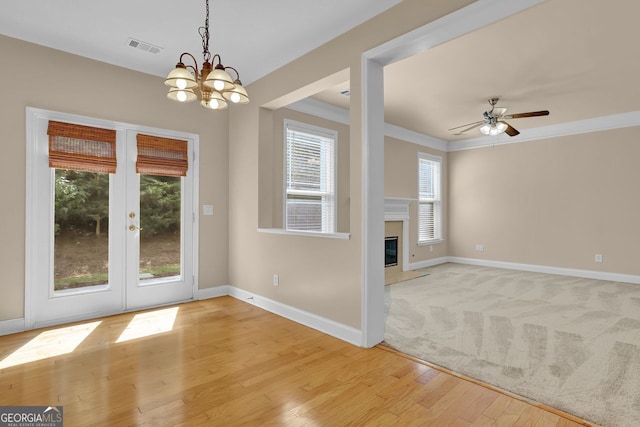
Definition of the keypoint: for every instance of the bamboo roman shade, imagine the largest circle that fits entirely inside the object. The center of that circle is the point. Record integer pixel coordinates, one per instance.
(83, 148)
(161, 156)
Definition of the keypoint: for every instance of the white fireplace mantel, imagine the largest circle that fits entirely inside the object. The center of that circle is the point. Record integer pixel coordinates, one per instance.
(396, 209)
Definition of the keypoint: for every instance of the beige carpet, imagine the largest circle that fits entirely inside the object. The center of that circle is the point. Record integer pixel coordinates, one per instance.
(570, 343)
(402, 276)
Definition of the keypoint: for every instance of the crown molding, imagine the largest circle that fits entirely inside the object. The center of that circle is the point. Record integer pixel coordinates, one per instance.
(455, 24)
(341, 115)
(405, 134)
(321, 109)
(596, 124)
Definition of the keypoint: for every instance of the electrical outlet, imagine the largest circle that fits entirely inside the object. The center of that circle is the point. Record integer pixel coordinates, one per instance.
(598, 258)
(479, 247)
(276, 280)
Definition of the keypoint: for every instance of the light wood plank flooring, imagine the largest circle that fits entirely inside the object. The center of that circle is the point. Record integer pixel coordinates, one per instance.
(225, 362)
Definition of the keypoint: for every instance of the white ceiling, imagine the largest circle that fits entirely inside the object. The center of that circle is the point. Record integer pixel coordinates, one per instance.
(579, 59)
(254, 36)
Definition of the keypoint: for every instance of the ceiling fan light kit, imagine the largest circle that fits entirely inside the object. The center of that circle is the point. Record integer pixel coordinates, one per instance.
(493, 128)
(493, 123)
(214, 86)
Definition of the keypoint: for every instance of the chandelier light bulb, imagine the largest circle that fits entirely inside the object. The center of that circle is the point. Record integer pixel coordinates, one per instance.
(181, 83)
(218, 85)
(235, 98)
(182, 95)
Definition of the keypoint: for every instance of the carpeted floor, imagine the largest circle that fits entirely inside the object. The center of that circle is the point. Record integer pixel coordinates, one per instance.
(402, 276)
(567, 342)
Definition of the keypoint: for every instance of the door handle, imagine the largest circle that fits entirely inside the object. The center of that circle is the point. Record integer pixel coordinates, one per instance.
(134, 228)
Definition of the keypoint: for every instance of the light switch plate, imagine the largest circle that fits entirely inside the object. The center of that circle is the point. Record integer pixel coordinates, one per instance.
(207, 209)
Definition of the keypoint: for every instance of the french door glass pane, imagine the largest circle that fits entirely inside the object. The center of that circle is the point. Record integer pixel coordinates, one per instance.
(81, 244)
(160, 225)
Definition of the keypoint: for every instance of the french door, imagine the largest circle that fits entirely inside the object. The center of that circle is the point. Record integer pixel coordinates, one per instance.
(101, 243)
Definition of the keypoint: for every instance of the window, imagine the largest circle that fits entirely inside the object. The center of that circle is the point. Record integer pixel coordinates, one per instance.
(429, 198)
(82, 158)
(310, 178)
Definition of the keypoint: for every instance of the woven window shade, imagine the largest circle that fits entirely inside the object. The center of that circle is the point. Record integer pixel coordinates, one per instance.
(82, 148)
(161, 156)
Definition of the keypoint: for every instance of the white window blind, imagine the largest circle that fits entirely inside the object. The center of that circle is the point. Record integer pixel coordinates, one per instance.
(429, 198)
(310, 178)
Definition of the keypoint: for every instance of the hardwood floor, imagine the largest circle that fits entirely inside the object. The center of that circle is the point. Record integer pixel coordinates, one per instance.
(225, 362)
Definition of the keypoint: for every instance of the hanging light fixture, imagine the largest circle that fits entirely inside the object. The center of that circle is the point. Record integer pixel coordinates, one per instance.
(493, 127)
(211, 84)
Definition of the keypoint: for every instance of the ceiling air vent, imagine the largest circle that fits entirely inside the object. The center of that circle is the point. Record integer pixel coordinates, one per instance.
(147, 47)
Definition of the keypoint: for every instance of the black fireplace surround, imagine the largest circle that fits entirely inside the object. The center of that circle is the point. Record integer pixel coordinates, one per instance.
(390, 251)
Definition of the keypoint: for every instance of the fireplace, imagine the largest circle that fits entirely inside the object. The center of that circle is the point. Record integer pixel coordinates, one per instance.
(390, 251)
(396, 227)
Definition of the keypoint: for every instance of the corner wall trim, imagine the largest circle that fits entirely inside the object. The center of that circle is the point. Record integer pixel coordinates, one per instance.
(572, 272)
(327, 326)
(12, 326)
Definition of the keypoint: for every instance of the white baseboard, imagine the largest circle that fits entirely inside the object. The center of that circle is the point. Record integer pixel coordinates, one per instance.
(327, 326)
(11, 326)
(214, 292)
(586, 274)
(428, 263)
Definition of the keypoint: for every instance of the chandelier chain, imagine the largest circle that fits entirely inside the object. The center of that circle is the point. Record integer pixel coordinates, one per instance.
(204, 33)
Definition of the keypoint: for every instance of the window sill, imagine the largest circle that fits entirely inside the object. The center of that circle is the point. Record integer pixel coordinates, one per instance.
(343, 236)
(430, 242)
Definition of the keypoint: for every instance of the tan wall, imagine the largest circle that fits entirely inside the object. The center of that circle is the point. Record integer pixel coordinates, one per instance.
(401, 180)
(322, 276)
(554, 202)
(277, 165)
(312, 270)
(40, 78)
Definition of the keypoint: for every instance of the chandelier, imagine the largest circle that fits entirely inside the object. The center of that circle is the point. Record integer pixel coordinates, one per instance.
(212, 85)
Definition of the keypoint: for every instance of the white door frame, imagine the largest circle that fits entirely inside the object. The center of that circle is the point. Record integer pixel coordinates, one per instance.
(465, 20)
(36, 152)
(157, 291)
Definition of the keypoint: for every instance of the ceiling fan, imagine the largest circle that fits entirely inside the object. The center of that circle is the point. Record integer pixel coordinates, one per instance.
(494, 123)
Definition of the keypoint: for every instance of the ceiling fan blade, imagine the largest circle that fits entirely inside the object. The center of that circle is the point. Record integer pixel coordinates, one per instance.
(511, 131)
(529, 114)
(475, 125)
(468, 124)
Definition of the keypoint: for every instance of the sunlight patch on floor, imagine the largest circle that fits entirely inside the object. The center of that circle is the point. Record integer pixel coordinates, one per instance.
(150, 323)
(50, 343)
